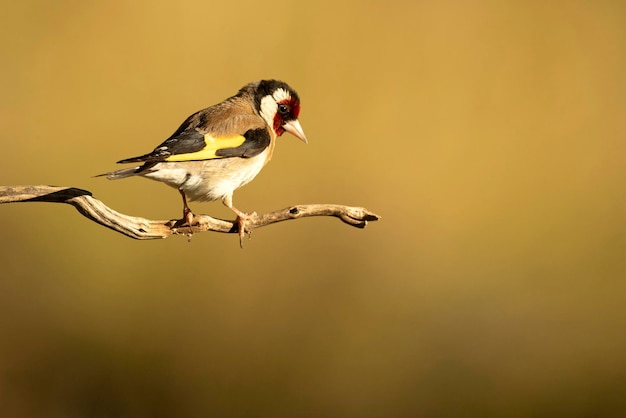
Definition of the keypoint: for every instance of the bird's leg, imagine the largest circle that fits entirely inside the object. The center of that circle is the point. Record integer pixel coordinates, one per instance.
(187, 213)
(242, 218)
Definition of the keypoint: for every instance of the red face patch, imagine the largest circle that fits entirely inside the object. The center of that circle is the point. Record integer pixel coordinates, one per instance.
(288, 110)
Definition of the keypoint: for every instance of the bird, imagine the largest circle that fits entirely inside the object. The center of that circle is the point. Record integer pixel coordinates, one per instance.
(222, 147)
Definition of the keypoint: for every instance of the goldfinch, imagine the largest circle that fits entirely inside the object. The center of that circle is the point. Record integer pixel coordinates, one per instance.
(219, 149)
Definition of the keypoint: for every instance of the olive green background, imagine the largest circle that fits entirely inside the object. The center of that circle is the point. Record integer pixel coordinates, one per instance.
(489, 135)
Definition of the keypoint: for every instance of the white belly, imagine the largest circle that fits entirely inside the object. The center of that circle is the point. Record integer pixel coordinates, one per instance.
(210, 179)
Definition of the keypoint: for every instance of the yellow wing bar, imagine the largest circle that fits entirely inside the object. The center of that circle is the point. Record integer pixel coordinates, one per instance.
(212, 146)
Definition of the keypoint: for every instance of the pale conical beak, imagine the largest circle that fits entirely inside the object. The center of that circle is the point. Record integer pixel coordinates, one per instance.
(294, 128)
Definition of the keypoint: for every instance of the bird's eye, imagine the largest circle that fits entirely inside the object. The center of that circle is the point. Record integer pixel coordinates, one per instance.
(283, 109)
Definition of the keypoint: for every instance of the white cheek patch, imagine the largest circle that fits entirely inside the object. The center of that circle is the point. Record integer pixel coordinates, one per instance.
(268, 109)
(269, 105)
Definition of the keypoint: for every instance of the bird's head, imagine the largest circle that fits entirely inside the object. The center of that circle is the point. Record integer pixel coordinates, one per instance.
(279, 105)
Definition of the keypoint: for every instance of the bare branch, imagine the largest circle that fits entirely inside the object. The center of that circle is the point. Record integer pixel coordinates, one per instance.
(140, 228)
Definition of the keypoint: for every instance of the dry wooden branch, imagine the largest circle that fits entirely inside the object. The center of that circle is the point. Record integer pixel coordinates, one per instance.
(140, 228)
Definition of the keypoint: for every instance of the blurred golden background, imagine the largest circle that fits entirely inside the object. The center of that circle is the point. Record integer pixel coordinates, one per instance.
(489, 135)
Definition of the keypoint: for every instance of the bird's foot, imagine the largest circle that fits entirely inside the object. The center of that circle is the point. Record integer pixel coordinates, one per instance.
(187, 217)
(187, 221)
(242, 219)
